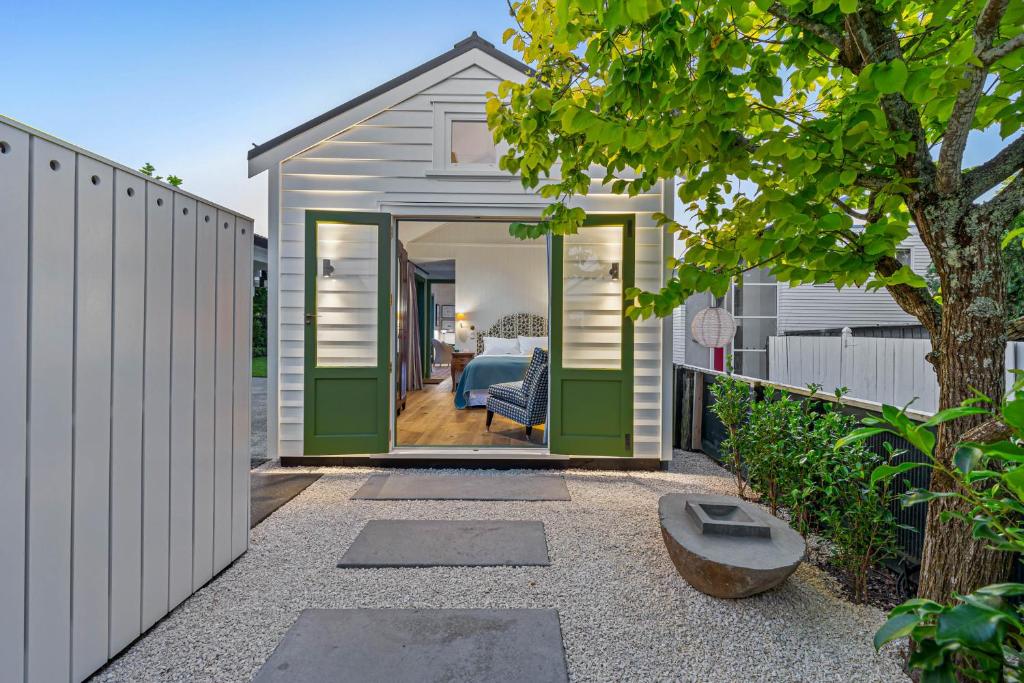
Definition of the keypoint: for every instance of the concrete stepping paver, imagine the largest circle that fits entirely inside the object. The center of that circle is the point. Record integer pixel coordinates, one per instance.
(447, 543)
(470, 487)
(421, 645)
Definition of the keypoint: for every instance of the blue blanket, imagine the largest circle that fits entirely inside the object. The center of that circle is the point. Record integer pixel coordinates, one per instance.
(483, 371)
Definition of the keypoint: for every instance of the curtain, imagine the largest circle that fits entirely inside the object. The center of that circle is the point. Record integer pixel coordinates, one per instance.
(414, 347)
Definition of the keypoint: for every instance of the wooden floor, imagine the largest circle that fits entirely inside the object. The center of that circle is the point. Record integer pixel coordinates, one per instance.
(431, 419)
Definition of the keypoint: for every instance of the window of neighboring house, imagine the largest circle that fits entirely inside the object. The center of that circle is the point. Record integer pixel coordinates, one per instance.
(472, 144)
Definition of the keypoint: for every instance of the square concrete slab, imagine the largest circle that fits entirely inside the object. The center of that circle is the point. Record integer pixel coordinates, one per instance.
(421, 645)
(473, 487)
(448, 543)
(272, 490)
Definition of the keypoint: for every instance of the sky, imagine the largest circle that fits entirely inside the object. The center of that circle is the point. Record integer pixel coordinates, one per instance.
(190, 86)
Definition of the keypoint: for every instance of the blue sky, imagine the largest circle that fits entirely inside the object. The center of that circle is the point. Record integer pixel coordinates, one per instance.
(190, 86)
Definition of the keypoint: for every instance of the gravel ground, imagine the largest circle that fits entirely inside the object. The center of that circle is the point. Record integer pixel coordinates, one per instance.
(625, 612)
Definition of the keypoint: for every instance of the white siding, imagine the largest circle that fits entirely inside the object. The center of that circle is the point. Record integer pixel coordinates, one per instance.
(382, 163)
(821, 307)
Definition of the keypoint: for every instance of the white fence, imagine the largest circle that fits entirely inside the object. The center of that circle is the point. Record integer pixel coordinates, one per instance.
(124, 402)
(892, 371)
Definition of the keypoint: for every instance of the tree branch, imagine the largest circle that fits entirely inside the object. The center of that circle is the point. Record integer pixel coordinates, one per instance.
(824, 32)
(914, 300)
(954, 141)
(987, 432)
(849, 210)
(1008, 204)
(1015, 330)
(994, 54)
(1008, 161)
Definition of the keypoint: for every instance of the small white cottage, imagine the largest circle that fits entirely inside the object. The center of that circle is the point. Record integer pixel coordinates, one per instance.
(406, 323)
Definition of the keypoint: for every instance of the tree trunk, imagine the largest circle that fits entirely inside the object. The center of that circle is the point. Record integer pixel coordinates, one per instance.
(971, 356)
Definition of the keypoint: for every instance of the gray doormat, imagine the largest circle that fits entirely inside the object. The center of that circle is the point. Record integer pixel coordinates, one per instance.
(271, 491)
(421, 645)
(470, 487)
(447, 543)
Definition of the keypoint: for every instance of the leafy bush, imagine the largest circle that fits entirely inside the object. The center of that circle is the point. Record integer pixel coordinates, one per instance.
(788, 452)
(259, 322)
(732, 403)
(981, 635)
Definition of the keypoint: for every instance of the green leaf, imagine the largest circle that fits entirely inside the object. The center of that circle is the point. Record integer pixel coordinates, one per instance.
(896, 627)
(1014, 480)
(889, 77)
(967, 458)
(889, 471)
(860, 434)
(1013, 414)
(953, 413)
(848, 6)
(967, 624)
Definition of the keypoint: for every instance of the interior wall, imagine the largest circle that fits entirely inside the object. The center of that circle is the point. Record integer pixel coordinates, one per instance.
(492, 280)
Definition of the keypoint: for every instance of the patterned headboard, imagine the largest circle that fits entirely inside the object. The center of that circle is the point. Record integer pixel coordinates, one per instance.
(512, 326)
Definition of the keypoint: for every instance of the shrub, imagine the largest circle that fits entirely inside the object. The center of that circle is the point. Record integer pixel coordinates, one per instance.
(980, 636)
(732, 403)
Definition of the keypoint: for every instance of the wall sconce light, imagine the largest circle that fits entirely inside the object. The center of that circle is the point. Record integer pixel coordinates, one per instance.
(328, 269)
(460, 316)
(614, 271)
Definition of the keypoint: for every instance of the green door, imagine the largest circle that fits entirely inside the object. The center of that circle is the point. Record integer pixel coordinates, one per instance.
(592, 340)
(347, 385)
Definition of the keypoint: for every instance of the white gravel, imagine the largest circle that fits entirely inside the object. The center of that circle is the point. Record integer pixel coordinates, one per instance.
(625, 612)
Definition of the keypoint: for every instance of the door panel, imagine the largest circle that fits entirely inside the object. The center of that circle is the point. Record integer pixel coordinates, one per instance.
(592, 339)
(346, 360)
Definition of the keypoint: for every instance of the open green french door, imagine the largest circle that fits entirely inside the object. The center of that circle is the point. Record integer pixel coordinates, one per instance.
(347, 379)
(591, 349)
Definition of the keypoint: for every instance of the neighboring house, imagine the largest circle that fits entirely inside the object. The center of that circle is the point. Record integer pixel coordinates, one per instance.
(347, 185)
(764, 308)
(260, 267)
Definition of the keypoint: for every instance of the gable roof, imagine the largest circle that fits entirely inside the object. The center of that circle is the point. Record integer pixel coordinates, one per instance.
(474, 41)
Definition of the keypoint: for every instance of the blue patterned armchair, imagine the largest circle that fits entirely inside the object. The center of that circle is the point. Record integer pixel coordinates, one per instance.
(524, 402)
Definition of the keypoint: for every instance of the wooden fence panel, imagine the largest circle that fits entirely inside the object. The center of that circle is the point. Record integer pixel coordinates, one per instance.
(14, 234)
(882, 370)
(94, 293)
(51, 379)
(206, 336)
(124, 360)
(183, 343)
(126, 418)
(224, 391)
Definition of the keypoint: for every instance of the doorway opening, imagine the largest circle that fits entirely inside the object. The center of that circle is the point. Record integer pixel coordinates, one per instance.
(471, 323)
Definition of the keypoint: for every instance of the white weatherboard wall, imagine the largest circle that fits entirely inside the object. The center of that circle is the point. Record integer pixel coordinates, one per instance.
(892, 371)
(822, 307)
(386, 163)
(114, 454)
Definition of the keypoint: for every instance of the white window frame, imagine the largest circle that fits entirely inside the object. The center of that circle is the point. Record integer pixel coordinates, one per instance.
(446, 112)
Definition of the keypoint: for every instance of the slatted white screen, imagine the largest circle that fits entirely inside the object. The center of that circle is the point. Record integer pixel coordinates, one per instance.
(124, 431)
(592, 298)
(346, 295)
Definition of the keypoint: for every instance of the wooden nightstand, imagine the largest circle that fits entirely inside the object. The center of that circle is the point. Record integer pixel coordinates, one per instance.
(459, 361)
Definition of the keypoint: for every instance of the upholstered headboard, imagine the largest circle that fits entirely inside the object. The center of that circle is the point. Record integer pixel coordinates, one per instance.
(512, 326)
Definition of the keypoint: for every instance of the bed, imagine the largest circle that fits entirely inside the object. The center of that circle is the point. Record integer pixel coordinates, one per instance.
(484, 370)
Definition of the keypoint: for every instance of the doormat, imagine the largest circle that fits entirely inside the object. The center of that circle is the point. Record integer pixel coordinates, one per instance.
(407, 645)
(469, 487)
(270, 491)
(447, 543)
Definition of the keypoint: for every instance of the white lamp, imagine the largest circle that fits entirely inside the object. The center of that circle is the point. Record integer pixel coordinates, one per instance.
(713, 328)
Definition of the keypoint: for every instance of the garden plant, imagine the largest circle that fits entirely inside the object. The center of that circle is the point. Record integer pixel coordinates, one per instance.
(978, 635)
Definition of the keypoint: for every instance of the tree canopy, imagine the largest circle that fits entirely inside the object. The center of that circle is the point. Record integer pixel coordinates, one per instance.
(835, 111)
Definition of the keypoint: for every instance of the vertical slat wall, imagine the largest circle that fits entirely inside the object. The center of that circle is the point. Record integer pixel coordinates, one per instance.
(124, 432)
(14, 222)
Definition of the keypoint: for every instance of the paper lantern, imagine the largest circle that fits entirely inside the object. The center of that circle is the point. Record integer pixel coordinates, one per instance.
(713, 328)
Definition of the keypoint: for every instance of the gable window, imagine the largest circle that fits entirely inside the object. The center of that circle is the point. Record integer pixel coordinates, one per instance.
(463, 145)
(472, 144)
